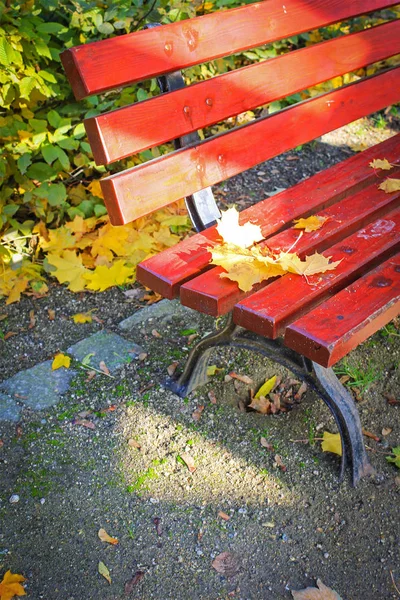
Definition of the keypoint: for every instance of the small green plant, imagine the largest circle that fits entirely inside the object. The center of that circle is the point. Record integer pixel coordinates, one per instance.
(395, 457)
(358, 377)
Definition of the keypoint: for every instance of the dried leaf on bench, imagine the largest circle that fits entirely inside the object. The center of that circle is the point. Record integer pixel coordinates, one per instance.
(332, 443)
(380, 163)
(322, 593)
(310, 224)
(390, 185)
(241, 235)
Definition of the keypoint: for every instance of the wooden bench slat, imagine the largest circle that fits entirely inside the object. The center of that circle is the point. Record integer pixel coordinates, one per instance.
(268, 311)
(206, 103)
(118, 61)
(146, 188)
(166, 271)
(337, 326)
(210, 294)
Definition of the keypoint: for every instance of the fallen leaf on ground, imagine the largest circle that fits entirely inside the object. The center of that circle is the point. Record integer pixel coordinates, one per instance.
(91, 375)
(261, 405)
(242, 378)
(152, 298)
(188, 460)
(241, 235)
(172, 368)
(84, 423)
(390, 185)
(157, 523)
(60, 360)
(10, 334)
(332, 443)
(212, 370)
(266, 388)
(82, 318)
(380, 163)
(3, 316)
(322, 593)
(103, 367)
(103, 535)
(226, 564)
(265, 444)
(52, 314)
(196, 415)
(301, 391)
(223, 516)
(395, 458)
(142, 356)
(130, 584)
(32, 319)
(391, 399)
(155, 333)
(386, 431)
(134, 444)
(212, 397)
(10, 586)
(104, 572)
(310, 224)
(18, 431)
(279, 463)
(370, 435)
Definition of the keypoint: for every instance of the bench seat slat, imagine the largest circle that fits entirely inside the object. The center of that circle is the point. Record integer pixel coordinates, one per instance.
(118, 61)
(166, 271)
(143, 189)
(268, 311)
(205, 103)
(337, 326)
(210, 294)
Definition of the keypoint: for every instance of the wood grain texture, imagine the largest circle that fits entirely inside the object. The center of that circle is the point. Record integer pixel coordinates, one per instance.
(337, 326)
(146, 188)
(212, 295)
(129, 130)
(118, 61)
(166, 271)
(270, 310)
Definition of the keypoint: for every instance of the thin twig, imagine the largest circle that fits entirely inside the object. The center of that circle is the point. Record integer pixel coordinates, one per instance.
(394, 583)
(145, 16)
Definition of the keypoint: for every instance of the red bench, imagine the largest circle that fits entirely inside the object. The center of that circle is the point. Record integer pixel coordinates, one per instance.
(305, 327)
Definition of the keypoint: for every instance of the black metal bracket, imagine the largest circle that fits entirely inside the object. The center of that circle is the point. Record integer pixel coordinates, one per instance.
(323, 381)
(201, 206)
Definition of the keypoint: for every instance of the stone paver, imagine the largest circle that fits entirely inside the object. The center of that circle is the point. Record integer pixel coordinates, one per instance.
(163, 311)
(9, 409)
(110, 348)
(40, 386)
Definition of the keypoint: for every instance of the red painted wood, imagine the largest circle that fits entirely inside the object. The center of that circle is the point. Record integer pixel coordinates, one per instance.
(129, 130)
(268, 311)
(143, 189)
(337, 326)
(115, 62)
(166, 271)
(213, 295)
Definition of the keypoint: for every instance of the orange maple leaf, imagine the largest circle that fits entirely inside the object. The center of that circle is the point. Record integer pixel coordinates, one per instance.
(11, 586)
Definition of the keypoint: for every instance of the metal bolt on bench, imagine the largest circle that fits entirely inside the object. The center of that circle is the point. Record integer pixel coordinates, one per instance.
(307, 328)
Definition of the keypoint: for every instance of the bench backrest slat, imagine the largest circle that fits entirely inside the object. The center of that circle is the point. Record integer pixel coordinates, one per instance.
(129, 130)
(119, 61)
(159, 182)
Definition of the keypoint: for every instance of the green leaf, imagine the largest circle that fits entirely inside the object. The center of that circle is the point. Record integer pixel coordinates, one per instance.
(38, 125)
(79, 131)
(105, 28)
(24, 161)
(63, 158)
(6, 52)
(142, 95)
(49, 27)
(68, 144)
(26, 85)
(57, 194)
(49, 153)
(47, 76)
(99, 210)
(54, 118)
(396, 457)
(41, 171)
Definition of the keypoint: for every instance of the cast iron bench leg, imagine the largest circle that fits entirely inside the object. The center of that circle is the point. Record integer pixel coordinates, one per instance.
(324, 381)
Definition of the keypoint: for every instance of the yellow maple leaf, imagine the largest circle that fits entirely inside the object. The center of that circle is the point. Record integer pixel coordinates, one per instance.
(69, 268)
(60, 360)
(231, 232)
(19, 286)
(332, 443)
(58, 240)
(311, 265)
(111, 241)
(103, 535)
(11, 586)
(95, 188)
(82, 318)
(310, 224)
(390, 185)
(380, 163)
(104, 277)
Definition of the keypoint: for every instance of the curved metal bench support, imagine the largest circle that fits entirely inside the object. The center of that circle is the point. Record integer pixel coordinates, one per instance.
(321, 380)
